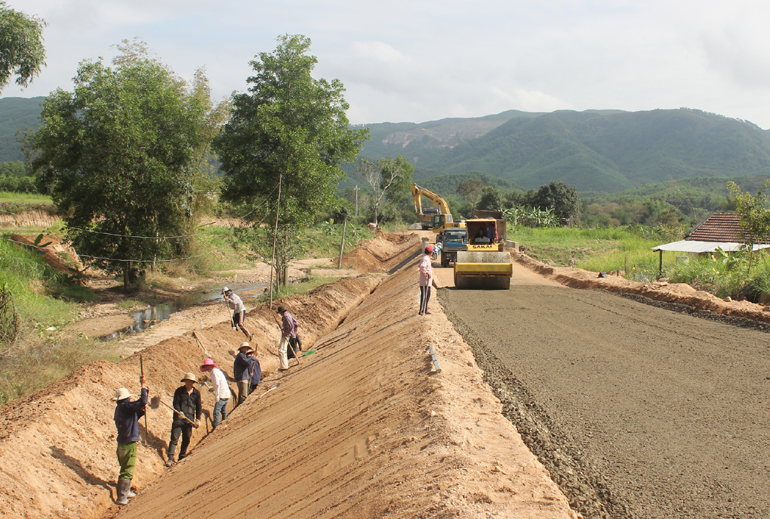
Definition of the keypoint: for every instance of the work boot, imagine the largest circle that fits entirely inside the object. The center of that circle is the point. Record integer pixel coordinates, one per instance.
(129, 492)
(170, 462)
(122, 488)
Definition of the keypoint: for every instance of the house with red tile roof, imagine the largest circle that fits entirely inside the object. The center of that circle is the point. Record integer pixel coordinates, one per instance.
(719, 231)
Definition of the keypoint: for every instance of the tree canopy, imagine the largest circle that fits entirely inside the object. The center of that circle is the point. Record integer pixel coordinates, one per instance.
(471, 190)
(22, 53)
(288, 126)
(115, 155)
(388, 177)
(564, 200)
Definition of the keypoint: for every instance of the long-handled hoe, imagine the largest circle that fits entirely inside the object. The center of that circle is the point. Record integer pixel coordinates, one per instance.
(154, 405)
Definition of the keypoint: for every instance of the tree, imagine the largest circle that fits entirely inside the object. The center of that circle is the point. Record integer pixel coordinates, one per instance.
(388, 173)
(115, 155)
(491, 199)
(21, 46)
(564, 200)
(288, 127)
(471, 190)
(754, 217)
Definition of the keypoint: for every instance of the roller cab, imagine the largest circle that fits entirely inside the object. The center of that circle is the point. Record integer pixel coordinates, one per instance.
(484, 265)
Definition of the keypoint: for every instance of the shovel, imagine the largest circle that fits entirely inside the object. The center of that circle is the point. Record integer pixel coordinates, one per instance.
(155, 404)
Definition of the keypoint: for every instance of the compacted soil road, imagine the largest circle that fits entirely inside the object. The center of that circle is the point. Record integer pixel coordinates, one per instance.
(637, 411)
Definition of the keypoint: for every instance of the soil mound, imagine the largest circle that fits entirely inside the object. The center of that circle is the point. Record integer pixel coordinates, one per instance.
(57, 251)
(382, 253)
(57, 446)
(677, 293)
(366, 427)
(37, 218)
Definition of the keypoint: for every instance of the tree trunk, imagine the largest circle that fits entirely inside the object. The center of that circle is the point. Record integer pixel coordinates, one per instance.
(127, 277)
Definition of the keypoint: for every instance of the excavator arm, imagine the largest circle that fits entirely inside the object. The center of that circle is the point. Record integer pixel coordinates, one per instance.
(418, 191)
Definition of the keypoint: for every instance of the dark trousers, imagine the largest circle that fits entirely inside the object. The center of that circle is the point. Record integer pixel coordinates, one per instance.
(185, 431)
(424, 298)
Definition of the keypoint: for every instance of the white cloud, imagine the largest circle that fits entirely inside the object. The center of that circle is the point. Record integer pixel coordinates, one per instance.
(429, 59)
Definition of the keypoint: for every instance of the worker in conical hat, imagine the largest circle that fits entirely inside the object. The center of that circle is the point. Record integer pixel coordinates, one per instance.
(243, 367)
(220, 389)
(127, 414)
(239, 310)
(187, 404)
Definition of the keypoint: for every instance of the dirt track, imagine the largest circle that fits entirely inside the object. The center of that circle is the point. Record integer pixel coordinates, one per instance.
(636, 411)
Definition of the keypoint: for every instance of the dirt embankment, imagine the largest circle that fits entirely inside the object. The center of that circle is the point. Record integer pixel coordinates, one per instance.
(57, 447)
(366, 427)
(37, 218)
(678, 293)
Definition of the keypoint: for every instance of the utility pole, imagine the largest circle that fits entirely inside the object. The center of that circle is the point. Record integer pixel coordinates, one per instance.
(356, 200)
(275, 237)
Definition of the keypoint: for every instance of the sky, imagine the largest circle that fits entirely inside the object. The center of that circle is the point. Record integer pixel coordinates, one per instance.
(423, 60)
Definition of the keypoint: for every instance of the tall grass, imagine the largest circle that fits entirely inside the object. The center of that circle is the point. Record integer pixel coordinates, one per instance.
(30, 280)
(7, 197)
(599, 250)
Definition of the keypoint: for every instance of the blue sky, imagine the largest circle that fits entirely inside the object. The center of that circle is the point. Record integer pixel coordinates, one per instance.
(424, 60)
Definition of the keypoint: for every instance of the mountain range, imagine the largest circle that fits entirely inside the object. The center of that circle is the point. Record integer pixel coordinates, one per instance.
(597, 151)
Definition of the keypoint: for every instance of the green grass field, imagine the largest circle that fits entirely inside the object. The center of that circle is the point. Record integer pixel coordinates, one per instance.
(24, 199)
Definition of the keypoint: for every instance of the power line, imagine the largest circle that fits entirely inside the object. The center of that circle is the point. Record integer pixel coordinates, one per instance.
(110, 259)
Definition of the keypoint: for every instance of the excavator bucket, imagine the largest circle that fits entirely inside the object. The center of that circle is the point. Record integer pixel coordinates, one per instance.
(483, 270)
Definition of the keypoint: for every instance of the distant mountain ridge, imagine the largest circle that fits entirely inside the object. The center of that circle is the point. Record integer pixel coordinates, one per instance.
(16, 113)
(596, 150)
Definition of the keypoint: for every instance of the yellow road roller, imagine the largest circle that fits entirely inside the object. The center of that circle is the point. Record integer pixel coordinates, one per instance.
(485, 265)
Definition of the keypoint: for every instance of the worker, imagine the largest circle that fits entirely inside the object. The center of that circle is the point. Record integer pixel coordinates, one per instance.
(288, 337)
(492, 233)
(481, 236)
(220, 389)
(127, 414)
(256, 373)
(426, 280)
(187, 404)
(239, 310)
(243, 368)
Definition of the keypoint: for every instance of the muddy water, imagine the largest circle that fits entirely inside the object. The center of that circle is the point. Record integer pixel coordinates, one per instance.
(147, 318)
(636, 411)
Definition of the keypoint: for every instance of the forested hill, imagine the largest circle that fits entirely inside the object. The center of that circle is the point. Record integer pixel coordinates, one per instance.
(597, 151)
(16, 113)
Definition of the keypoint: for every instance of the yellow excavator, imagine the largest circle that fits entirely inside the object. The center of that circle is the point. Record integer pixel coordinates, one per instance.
(439, 218)
(485, 264)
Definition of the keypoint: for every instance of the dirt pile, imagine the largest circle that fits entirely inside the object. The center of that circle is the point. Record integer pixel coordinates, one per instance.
(382, 253)
(37, 218)
(57, 251)
(366, 427)
(679, 293)
(57, 447)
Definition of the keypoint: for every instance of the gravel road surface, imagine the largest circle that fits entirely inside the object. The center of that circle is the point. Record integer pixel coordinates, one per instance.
(636, 410)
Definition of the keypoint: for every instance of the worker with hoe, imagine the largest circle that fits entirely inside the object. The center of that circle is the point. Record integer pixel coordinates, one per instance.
(288, 337)
(127, 414)
(243, 370)
(220, 389)
(239, 310)
(187, 414)
(426, 280)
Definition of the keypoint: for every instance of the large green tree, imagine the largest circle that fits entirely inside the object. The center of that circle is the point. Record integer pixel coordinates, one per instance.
(116, 156)
(471, 190)
(288, 126)
(564, 200)
(21, 46)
